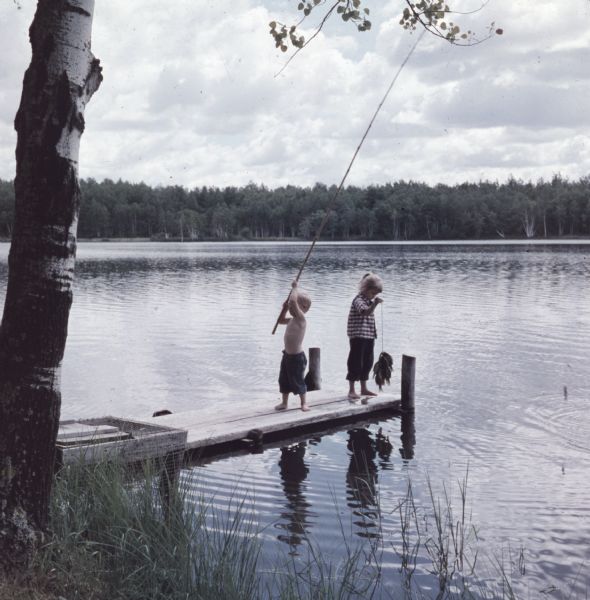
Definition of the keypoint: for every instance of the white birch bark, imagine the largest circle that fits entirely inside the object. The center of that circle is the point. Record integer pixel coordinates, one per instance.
(60, 80)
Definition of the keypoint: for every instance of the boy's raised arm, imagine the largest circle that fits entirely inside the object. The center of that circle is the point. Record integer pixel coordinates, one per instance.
(283, 319)
(293, 302)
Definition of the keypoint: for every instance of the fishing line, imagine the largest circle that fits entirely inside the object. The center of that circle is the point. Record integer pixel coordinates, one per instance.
(382, 342)
(337, 192)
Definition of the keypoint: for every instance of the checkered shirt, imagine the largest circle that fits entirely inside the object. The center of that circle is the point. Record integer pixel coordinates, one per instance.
(361, 325)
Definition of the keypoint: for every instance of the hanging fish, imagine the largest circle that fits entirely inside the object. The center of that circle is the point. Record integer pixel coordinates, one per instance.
(383, 369)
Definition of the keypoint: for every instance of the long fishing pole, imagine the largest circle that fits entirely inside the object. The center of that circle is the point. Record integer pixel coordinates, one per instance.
(337, 192)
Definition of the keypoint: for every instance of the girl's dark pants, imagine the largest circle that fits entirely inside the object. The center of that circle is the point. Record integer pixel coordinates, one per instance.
(360, 359)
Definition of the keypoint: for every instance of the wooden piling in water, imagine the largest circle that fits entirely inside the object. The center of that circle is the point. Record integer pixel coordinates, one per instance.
(408, 377)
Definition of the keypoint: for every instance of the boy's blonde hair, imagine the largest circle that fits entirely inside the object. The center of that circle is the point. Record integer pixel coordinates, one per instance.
(370, 281)
(303, 300)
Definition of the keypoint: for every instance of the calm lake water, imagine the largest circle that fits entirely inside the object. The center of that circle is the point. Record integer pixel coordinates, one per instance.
(501, 334)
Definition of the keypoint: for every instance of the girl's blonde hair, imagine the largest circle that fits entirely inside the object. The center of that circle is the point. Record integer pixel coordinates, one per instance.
(370, 281)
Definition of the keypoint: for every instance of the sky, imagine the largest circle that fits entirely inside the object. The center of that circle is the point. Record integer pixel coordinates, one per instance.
(191, 95)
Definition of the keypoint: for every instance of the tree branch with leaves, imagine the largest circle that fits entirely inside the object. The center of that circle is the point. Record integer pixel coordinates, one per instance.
(433, 15)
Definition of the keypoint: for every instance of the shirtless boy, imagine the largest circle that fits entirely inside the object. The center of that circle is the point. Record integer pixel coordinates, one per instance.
(291, 376)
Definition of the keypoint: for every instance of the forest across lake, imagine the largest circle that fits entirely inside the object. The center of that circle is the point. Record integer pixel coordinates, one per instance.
(397, 211)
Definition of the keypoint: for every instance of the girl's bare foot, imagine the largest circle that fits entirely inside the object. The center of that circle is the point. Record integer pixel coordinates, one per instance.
(305, 407)
(281, 406)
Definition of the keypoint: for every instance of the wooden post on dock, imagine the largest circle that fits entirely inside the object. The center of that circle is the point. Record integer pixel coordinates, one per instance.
(408, 376)
(313, 379)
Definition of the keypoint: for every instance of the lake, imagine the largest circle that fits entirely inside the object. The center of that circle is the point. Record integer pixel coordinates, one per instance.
(501, 336)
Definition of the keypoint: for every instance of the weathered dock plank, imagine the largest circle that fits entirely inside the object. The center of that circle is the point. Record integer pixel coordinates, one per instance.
(209, 427)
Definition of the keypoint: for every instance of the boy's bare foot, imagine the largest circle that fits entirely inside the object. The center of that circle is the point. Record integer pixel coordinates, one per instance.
(281, 406)
(353, 396)
(367, 393)
(305, 407)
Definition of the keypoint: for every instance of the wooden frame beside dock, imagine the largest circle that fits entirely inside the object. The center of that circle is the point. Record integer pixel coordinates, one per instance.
(93, 440)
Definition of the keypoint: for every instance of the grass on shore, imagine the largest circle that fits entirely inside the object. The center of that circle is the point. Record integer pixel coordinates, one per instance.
(111, 540)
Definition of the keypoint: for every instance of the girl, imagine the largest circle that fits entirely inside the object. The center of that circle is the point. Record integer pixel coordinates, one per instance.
(362, 334)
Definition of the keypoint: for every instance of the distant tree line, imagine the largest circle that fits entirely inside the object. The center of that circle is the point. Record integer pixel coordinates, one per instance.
(397, 211)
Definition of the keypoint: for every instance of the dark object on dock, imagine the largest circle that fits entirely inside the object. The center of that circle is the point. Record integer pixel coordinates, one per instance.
(161, 413)
(254, 439)
(313, 379)
(408, 376)
(383, 369)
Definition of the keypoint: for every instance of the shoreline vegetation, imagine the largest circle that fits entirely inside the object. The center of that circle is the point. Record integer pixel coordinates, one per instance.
(400, 211)
(111, 537)
(565, 240)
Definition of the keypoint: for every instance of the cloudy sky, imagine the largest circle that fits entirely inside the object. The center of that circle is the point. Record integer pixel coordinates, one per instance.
(191, 97)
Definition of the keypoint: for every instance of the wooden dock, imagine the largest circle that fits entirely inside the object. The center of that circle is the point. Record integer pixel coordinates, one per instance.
(211, 428)
(208, 428)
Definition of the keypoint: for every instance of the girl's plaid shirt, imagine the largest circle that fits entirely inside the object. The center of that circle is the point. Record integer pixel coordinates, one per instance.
(361, 325)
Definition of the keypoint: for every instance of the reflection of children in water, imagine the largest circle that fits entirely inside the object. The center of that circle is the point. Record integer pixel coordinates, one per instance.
(293, 474)
(362, 478)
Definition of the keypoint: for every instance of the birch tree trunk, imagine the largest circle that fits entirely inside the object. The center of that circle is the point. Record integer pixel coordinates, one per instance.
(60, 80)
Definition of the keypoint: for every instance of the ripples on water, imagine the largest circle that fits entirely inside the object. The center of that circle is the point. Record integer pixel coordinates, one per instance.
(501, 336)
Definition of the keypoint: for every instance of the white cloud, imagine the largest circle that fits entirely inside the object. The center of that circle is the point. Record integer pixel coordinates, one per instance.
(190, 95)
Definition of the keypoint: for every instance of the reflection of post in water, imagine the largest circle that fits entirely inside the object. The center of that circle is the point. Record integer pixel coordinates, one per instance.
(293, 474)
(384, 448)
(408, 436)
(361, 477)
